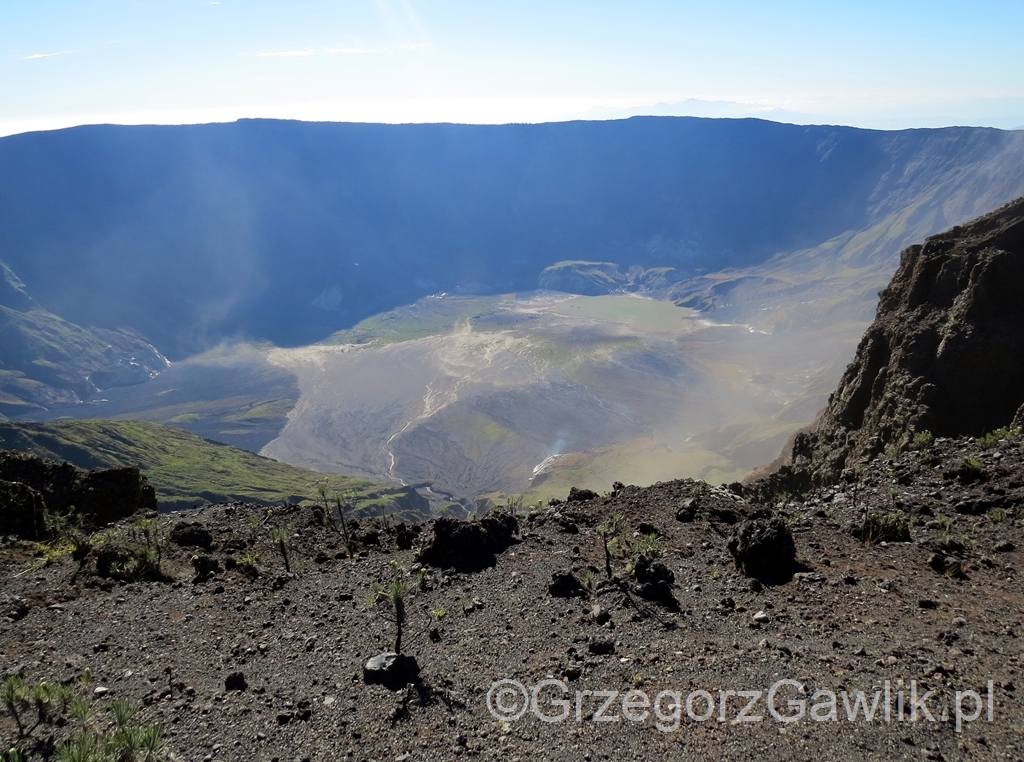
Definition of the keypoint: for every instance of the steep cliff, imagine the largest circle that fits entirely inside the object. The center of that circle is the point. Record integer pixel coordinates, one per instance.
(945, 353)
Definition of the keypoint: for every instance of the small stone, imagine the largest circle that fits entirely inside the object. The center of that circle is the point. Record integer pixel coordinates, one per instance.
(926, 603)
(235, 682)
(762, 618)
(601, 646)
(100, 690)
(1003, 547)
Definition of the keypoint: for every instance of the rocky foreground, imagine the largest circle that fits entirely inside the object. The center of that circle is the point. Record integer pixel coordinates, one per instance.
(907, 572)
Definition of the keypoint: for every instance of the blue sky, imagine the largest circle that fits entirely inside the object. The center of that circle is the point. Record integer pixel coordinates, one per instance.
(876, 64)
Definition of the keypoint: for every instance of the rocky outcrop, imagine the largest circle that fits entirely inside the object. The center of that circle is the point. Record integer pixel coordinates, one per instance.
(468, 545)
(945, 353)
(30, 485)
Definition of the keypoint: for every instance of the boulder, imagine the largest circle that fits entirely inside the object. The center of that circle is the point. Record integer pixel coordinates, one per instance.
(468, 545)
(565, 585)
(654, 582)
(191, 535)
(393, 671)
(21, 511)
(764, 549)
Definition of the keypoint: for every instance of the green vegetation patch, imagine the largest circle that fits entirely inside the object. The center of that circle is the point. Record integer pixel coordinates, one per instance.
(183, 468)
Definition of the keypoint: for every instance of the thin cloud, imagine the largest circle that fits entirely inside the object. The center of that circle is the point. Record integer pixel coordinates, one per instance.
(287, 53)
(34, 56)
(357, 51)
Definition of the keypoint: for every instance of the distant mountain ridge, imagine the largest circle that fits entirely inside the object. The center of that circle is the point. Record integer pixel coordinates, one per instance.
(290, 231)
(46, 360)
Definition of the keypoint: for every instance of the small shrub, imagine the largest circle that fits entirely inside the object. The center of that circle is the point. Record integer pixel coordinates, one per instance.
(281, 535)
(393, 594)
(587, 579)
(991, 439)
(247, 564)
(923, 440)
(997, 515)
(886, 527)
(649, 545)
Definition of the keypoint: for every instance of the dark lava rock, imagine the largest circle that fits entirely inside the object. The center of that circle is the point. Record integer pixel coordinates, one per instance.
(205, 565)
(22, 514)
(654, 581)
(13, 608)
(764, 549)
(393, 671)
(193, 535)
(405, 535)
(577, 495)
(687, 510)
(945, 353)
(468, 545)
(235, 682)
(97, 497)
(601, 646)
(565, 585)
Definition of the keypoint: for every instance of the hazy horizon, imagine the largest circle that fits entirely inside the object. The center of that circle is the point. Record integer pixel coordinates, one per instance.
(896, 66)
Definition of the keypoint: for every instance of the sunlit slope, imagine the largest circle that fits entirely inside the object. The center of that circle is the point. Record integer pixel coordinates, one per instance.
(184, 469)
(536, 394)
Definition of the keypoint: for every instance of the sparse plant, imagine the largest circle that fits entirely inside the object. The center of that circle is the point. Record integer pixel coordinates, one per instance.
(715, 574)
(343, 525)
(253, 523)
(321, 503)
(856, 481)
(992, 438)
(124, 742)
(281, 535)
(610, 529)
(82, 711)
(700, 488)
(421, 579)
(513, 505)
(42, 696)
(971, 470)
(885, 527)
(14, 693)
(997, 515)
(649, 545)
(393, 594)
(439, 614)
(123, 711)
(923, 440)
(247, 564)
(587, 578)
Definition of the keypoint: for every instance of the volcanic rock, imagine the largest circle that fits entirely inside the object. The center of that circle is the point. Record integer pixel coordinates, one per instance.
(945, 353)
(391, 670)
